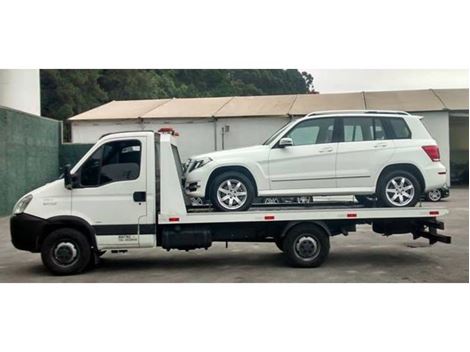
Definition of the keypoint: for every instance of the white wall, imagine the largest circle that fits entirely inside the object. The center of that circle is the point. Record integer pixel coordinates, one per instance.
(246, 131)
(20, 90)
(196, 136)
(437, 124)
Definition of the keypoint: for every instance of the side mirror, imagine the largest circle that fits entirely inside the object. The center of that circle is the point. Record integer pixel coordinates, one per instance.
(286, 142)
(67, 177)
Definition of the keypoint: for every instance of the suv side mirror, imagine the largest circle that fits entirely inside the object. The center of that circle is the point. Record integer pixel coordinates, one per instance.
(286, 142)
(67, 177)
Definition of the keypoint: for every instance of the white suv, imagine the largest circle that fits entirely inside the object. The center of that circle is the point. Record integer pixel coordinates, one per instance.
(386, 157)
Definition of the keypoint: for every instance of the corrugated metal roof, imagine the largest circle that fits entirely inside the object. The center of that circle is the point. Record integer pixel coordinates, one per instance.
(279, 105)
(453, 99)
(188, 107)
(406, 100)
(264, 105)
(122, 109)
(307, 103)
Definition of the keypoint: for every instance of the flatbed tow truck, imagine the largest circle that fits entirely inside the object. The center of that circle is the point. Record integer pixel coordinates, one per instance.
(75, 219)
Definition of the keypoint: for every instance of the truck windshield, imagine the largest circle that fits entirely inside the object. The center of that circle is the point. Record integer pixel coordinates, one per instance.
(277, 133)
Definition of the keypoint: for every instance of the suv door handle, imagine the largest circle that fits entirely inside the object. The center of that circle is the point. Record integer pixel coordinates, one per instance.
(140, 196)
(381, 145)
(326, 150)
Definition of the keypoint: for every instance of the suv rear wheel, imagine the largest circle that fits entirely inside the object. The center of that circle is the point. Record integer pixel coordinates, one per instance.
(399, 189)
(232, 191)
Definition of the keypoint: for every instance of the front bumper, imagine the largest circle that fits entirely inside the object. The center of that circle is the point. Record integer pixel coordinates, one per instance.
(25, 231)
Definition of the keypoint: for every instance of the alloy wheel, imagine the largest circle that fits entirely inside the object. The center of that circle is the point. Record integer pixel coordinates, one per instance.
(400, 191)
(232, 194)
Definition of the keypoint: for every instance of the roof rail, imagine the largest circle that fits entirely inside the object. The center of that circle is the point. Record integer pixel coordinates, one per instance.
(330, 112)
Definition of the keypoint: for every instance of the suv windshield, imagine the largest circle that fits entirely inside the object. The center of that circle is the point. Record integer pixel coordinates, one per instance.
(277, 133)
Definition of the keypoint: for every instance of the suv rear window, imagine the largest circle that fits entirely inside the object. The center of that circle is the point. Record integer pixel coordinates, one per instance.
(399, 128)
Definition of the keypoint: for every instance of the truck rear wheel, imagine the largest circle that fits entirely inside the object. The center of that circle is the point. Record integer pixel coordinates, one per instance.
(66, 251)
(306, 245)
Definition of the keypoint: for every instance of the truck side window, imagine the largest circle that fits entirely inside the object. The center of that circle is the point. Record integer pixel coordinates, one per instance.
(114, 161)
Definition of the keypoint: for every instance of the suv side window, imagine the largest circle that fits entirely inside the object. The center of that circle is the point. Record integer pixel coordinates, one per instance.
(358, 129)
(314, 131)
(112, 162)
(399, 128)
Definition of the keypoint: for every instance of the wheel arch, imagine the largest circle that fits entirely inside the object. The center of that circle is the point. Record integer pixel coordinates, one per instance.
(221, 169)
(73, 222)
(292, 224)
(411, 168)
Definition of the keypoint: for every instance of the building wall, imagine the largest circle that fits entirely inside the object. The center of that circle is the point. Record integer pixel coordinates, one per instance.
(29, 148)
(246, 131)
(20, 90)
(196, 136)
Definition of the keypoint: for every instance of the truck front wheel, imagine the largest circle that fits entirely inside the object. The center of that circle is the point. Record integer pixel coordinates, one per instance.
(65, 251)
(306, 245)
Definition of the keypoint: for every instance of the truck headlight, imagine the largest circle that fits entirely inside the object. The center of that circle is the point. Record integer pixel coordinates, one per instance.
(200, 163)
(21, 205)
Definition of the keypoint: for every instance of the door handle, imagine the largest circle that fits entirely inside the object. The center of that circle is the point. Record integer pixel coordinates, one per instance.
(380, 145)
(140, 196)
(326, 150)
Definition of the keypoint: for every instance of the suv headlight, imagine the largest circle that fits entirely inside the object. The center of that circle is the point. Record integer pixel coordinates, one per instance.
(200, 163)
(21, 205)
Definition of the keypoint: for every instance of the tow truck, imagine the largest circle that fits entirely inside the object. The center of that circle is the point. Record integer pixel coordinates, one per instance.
(127, 193)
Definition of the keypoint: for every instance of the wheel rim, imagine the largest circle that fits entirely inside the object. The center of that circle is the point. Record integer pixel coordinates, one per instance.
(307, 247)
(66, 253)
(400, 191)
(435, 195)
(232, 194)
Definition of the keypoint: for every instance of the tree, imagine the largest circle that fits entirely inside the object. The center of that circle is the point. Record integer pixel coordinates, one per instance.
(65, 93)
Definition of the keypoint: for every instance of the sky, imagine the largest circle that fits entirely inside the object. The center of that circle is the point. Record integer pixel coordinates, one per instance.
(333, 81)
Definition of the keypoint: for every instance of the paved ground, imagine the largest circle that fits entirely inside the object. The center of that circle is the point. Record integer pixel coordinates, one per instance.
(361, 257)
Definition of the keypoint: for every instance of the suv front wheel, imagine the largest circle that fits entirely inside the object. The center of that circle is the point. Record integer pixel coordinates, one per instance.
(232, 191)
(399, 189)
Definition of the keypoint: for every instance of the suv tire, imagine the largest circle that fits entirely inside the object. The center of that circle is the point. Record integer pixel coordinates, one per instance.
(232, 191)
(398, 188)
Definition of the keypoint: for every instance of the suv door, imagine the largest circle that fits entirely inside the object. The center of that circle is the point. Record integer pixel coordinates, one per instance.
(362, 152)
(309, 164)
(110, 192)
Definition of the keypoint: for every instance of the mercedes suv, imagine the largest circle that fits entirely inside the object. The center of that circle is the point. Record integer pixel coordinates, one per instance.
(384, 157)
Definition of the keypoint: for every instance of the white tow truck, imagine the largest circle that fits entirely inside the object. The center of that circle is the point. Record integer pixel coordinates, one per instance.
(127, 192)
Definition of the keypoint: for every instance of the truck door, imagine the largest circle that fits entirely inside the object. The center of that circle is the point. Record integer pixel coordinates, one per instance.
(110, 192)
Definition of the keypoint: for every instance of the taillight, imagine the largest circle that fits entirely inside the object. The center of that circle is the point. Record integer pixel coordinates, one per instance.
(433, 152)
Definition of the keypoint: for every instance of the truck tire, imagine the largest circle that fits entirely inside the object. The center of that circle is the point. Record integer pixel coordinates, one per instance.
(398, 189)
(66, 251)
(307, 246)
(232, 191)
